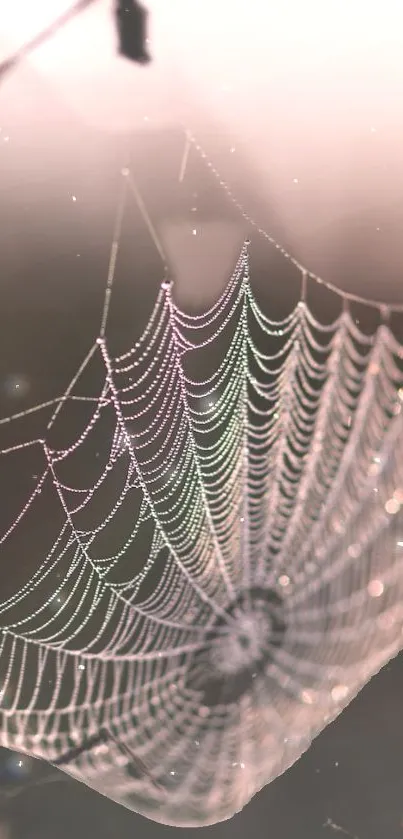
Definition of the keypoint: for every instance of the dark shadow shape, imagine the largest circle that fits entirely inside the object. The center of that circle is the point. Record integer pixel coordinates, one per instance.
(131, 19)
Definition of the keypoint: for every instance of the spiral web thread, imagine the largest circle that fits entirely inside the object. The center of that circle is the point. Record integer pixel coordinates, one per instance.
(246, 520)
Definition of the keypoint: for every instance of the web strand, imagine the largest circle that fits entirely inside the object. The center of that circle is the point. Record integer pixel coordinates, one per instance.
(384, 308)
(221, 564)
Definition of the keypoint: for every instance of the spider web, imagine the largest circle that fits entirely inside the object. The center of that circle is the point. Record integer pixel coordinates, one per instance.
(221, 583)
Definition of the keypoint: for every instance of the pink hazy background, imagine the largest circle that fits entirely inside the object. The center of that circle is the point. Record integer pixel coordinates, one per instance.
(297, 103)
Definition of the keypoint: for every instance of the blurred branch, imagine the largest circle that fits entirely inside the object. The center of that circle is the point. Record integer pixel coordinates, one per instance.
(131, 20)
(43, 36)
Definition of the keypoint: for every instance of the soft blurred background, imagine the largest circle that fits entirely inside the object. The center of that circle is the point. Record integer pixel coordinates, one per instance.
(299, 108)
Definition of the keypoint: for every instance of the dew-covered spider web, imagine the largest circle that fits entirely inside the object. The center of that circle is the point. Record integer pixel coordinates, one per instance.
(222, 577)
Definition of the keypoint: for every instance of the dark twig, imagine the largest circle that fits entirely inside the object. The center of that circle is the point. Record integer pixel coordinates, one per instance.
(131, 21)
(43, 36)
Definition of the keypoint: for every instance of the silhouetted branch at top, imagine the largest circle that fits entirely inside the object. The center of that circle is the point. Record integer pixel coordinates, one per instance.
(132, 27)
(131, 22)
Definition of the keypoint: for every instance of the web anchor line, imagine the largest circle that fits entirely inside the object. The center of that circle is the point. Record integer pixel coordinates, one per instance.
(307, 274)
(128, 183)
